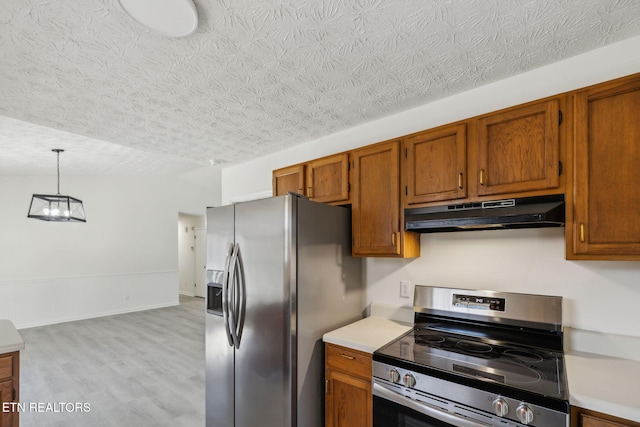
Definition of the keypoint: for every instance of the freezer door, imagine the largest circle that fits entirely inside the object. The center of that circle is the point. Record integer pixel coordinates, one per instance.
(219, 370)
(264, 354)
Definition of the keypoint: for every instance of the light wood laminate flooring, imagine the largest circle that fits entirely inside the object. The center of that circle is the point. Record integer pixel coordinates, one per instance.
(136, 369)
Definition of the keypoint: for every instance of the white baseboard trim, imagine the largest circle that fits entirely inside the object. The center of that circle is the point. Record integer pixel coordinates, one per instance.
(94, 316)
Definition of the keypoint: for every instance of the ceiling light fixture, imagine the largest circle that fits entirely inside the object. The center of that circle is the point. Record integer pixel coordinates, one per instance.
(56, 207)
(173, 18)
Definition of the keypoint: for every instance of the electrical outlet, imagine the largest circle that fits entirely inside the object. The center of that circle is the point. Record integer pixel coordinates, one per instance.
(405, 289)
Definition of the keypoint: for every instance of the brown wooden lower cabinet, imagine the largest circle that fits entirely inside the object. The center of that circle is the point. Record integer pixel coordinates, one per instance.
(586, 418)
(9, 387)
(349, 402)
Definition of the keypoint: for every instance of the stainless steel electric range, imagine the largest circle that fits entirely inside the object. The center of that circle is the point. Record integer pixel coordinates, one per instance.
(474, 359)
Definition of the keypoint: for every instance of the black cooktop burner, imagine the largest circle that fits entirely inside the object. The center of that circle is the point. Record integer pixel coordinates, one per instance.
(436, 348)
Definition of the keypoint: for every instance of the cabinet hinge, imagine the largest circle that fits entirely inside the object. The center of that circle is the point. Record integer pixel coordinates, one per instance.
(559, 168)
(559, 117)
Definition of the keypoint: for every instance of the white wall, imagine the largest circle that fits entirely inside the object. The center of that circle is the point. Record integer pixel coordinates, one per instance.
(599, 296)
(125, 258)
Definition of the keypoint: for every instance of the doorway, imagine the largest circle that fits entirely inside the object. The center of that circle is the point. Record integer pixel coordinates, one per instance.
(191, 255)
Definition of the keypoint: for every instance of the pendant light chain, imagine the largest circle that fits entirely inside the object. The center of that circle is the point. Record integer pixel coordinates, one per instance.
(58, 151)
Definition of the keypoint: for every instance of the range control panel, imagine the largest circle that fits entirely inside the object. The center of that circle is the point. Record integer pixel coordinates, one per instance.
(478, 302)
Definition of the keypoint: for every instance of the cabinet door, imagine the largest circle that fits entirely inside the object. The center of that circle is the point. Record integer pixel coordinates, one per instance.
(377, 213)
(288, 179)
(349, 401)
(606, 167)
(518, 149)
(376, 204)
(6, 395)
(328, 179)
(591, 421)
(581, 417)
(436, 165)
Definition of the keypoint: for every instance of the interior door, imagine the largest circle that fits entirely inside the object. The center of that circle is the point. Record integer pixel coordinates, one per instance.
(200, 262)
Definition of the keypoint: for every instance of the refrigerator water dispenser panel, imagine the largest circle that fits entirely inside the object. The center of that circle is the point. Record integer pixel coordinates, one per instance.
(214, 292)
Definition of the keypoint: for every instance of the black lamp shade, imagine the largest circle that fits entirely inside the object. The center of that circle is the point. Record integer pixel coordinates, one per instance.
(56, 208)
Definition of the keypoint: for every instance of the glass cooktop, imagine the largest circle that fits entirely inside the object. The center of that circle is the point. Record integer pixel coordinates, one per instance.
(528, 368)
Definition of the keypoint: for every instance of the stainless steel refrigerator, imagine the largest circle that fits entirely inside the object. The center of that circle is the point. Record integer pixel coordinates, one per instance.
(280, 275)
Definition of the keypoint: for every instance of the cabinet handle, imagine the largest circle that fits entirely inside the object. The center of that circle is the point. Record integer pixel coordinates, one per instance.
(346, 356)
(393, 239)
(460, 176)
(481, 176)
(582, 233)
(326, 387)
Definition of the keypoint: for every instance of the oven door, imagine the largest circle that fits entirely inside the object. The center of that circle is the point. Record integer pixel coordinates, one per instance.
(391, 409)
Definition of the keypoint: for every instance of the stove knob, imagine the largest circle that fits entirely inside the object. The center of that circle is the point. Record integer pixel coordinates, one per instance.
(409, 380)
(524, 414)
(500, 407)
(394, 376)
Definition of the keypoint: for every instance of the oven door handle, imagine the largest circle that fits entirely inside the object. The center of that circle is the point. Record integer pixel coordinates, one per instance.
(381, 391)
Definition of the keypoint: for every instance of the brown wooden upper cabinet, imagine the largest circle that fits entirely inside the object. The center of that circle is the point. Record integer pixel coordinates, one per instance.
(378, 220)
(606, 200)
(435, 165)
(323, 180)
(510, 153)
(328, 179)
(290, 178)
(518, 149)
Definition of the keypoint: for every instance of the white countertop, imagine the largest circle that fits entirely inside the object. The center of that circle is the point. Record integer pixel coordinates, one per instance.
(368, 334)
(605, 384)
(599, 382)
(10, 339)
(603, 371)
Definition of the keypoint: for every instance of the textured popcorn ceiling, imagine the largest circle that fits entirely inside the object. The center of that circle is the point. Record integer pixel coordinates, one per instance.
(258, 76)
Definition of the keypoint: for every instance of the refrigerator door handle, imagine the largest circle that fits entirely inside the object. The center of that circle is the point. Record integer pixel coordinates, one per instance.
(236, 301)
(242, 296)
(234, 297)
(225, 294)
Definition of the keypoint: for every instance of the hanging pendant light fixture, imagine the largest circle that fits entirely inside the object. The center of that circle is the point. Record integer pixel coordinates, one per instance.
(56, 207)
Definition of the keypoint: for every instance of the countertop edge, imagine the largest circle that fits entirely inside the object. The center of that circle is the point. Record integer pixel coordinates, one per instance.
(11, 349)
(10, 339)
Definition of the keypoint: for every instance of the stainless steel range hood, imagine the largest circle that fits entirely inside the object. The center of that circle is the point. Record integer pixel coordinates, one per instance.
(530, 212)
